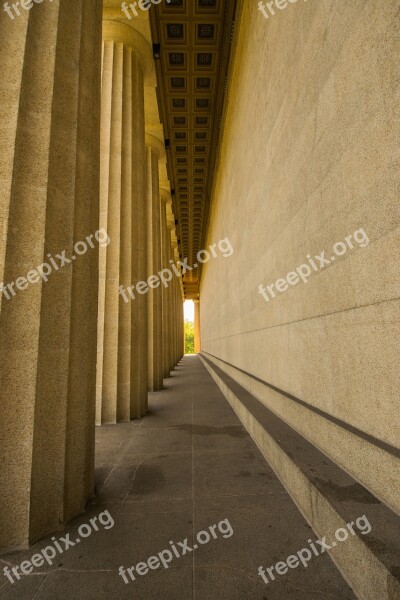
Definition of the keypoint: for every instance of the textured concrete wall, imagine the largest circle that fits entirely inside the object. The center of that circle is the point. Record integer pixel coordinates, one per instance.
(309, 155)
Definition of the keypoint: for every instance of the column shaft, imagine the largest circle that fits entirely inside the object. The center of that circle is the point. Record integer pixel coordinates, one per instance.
(125, 263)
(154, 296)
(50, 85)
(110, 207)
(139, 308)
(165, 292)
(197, 345)
(121, 384)
(171, 295)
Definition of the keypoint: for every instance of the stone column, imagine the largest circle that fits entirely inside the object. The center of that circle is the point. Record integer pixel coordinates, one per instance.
(182, 328)
(126, 59)
(155, 151)
(110, 219)
(197, 344)
(179, 324)
(166, 245)
(49, 173)
(176, 310)
(181, 333)
(171, 301)
(175, 324)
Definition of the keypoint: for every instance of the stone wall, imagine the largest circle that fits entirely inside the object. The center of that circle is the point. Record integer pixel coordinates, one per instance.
(309, 155)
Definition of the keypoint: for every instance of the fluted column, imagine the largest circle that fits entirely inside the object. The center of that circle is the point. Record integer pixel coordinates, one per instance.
(176, 309)
(155, 151)
(197, 344)
(166, 245)
(121, 395)
(171, 296)
(182, 326)
(179, 325)
(182, 351)
(175, 323)
(110, 218)
(49, 172)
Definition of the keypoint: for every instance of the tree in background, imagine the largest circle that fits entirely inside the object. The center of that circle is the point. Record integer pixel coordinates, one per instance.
(189, 337)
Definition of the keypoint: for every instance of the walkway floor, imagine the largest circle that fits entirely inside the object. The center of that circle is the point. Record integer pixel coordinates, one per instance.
(185, 467)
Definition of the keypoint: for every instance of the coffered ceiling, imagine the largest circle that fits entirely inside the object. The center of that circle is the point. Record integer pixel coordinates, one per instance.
(191, 45)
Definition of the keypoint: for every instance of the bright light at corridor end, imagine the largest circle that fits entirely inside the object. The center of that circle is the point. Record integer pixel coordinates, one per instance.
(188, 308)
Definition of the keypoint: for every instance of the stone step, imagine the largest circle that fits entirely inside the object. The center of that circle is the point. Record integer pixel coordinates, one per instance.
(328, 497)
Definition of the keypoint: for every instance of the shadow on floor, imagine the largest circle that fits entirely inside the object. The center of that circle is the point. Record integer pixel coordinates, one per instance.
(187, 466)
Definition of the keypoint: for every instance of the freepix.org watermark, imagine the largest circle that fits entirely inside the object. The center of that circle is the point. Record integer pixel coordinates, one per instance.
(319, 262)
(143, 5)
(43, 271)
(317, 547)
(268, 8)
(14, 9)
(164, 277)
(176, 550)
(49, 553)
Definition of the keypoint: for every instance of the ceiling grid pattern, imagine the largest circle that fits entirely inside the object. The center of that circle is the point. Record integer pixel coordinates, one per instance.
(192, 42)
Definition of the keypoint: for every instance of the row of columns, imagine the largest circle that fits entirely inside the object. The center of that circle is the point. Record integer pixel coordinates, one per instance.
(55, 329)
(138, 329)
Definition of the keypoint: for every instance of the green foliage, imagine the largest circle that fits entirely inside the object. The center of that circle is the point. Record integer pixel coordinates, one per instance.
(189, 337)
